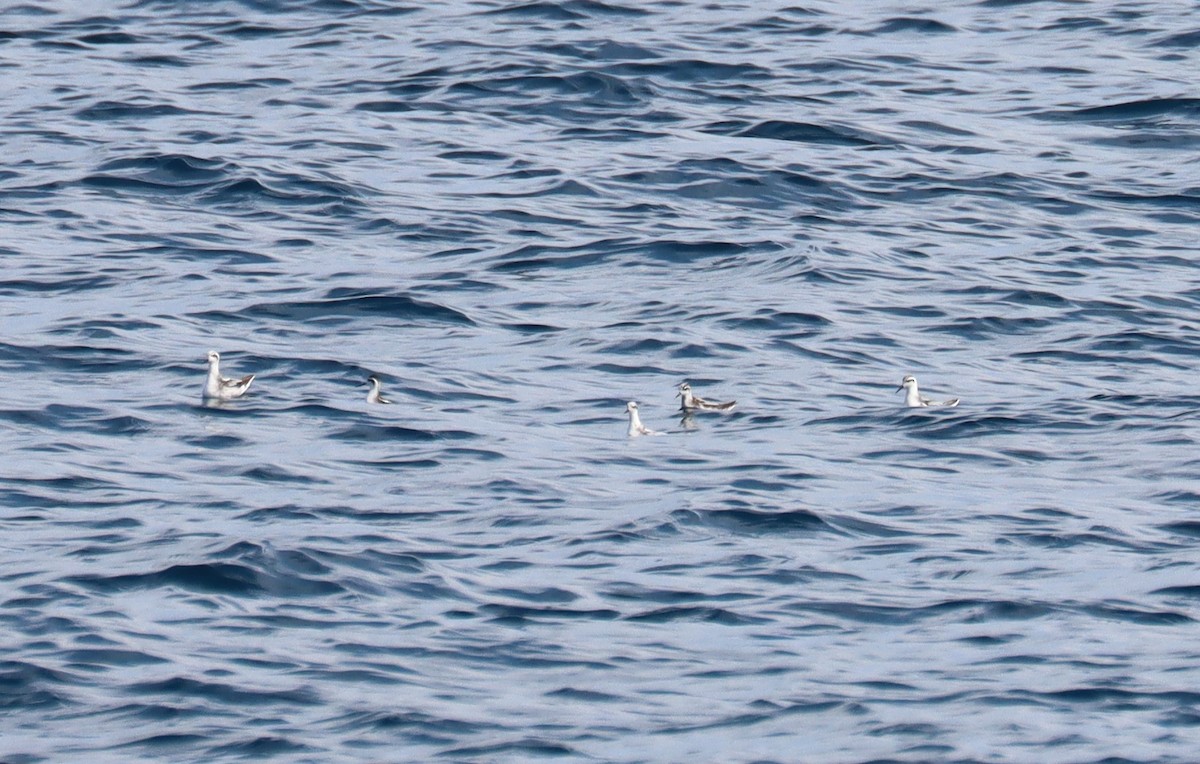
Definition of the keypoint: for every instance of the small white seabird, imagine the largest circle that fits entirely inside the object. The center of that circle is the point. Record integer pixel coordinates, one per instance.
(218, 388)
(691, 402)
(374, 395)
(636, 427)
(914, 399)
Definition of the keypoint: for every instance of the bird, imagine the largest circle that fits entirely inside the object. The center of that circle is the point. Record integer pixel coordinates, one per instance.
(221, 388)
(691, 402)
(914, 399)
(636, 427)
(374, 396)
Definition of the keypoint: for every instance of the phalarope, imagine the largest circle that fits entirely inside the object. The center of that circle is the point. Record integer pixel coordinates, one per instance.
(636, 427)
(374, 396)
(914, 399)
(691, 402)
(221, 388)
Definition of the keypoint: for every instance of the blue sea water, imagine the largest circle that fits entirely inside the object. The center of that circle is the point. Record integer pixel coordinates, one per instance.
(520, 216)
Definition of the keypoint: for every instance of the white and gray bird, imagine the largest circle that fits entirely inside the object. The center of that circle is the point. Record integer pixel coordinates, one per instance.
(691, 402)
(375, 396)
(913, 397)
(636, 428)
(218, 388)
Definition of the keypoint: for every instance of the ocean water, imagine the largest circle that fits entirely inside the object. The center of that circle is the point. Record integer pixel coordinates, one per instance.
(521, 216)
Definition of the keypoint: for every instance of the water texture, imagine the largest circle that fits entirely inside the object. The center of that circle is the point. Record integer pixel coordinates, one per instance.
(520, 216)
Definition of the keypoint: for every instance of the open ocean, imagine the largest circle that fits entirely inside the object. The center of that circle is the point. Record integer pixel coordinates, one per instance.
(521, 216)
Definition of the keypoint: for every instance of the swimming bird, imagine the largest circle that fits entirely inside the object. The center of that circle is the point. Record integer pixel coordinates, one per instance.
(374, 396)
(636, 427)
(221, 388)
(914, 399)
(693, 402)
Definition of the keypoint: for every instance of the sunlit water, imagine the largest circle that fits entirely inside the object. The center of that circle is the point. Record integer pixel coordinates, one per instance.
(521, 217)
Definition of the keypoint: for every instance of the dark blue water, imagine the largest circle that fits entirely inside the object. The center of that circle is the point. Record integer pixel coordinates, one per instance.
(520, 216)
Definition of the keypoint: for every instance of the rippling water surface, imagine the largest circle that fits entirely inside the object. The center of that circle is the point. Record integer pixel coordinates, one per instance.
(520, 216)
